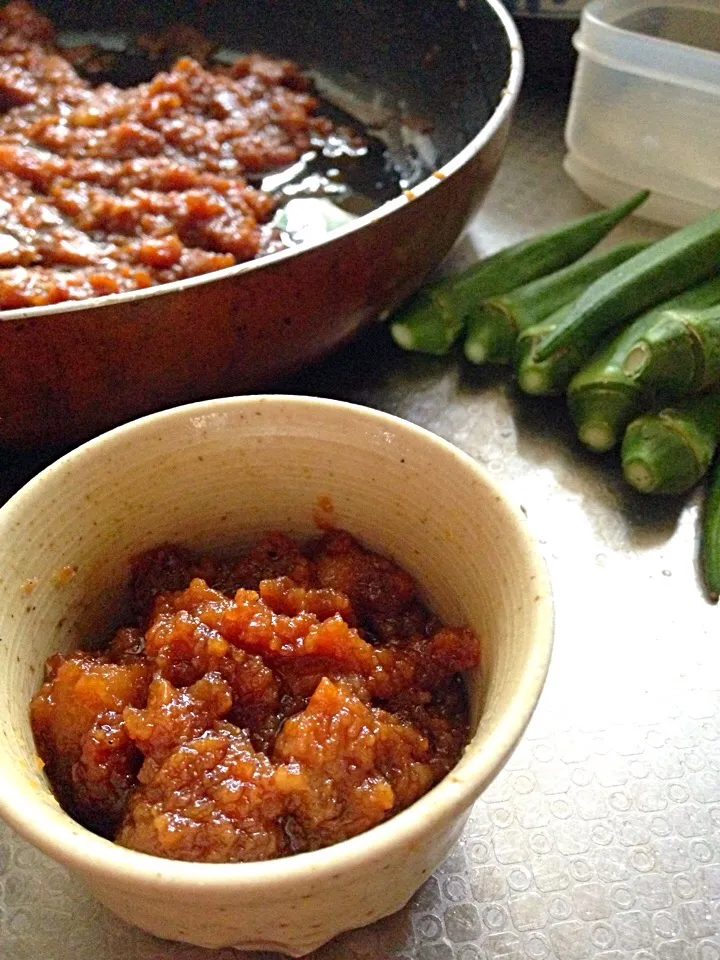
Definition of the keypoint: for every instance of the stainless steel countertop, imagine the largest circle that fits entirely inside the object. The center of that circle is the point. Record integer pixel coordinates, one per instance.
(601, 838)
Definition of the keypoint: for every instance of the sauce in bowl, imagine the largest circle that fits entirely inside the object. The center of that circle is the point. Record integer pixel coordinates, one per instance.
(278, 702)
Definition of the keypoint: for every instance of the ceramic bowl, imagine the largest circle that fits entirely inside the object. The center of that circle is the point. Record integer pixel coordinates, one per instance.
(216, 474)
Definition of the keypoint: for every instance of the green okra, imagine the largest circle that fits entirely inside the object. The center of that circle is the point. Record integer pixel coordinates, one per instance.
(551, 376)
(493, 325)
(679, 354)
(433, 318)
(611, 389)
(710, 536)
(668, 267)
(671, 450)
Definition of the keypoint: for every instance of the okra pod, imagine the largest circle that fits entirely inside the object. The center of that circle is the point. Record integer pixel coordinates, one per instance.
(710, 536)
(610, 390)
(434, 317)
(679, 354)
(668, 267)
(670, 451)
(494, 324)
(548, 377)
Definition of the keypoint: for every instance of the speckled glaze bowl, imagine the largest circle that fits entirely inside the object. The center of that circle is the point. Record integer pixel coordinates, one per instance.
(221, 472)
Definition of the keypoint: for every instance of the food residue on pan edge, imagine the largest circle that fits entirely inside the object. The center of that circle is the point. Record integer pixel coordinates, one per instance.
(105, 189)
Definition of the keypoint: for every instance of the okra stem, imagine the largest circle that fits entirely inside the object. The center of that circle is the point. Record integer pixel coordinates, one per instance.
(608, 392)
(670, 451)
(680, 353)
(551, 376)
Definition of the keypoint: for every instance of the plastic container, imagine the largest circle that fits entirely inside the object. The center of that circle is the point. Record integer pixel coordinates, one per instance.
(645, 107)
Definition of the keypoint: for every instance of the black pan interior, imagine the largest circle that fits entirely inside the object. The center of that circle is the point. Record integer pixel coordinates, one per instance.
(424, 75)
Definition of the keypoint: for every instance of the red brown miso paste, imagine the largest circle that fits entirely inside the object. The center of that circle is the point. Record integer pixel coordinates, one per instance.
(107, 189)
(257, 707)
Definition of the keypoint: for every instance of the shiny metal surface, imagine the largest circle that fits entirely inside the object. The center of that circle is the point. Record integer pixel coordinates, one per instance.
(601, 839)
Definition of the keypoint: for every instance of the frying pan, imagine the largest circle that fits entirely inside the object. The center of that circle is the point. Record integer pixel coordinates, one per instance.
(70, 370)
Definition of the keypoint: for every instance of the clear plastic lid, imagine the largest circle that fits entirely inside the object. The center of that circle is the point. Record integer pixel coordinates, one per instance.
(669, 40)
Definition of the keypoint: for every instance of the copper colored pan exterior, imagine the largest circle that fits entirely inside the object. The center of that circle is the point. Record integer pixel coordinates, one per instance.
(68, 373)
